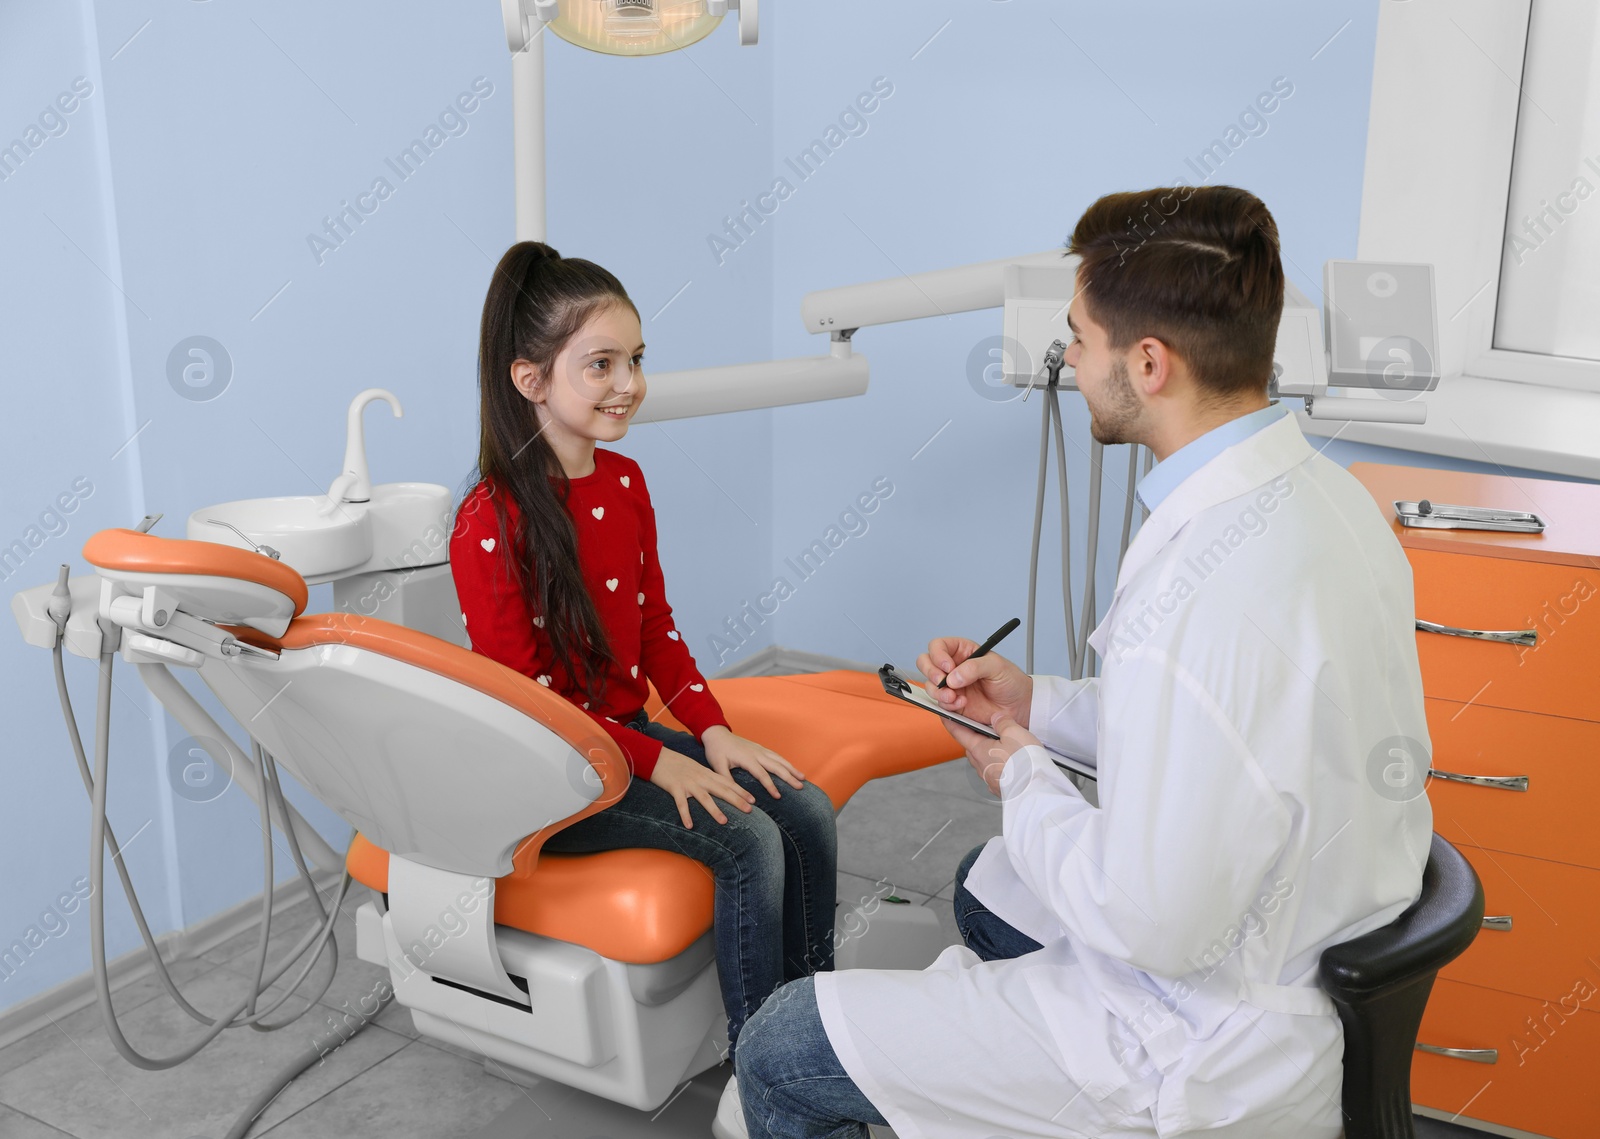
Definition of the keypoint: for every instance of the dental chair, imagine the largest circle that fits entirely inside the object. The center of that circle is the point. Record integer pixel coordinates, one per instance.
(597, 970)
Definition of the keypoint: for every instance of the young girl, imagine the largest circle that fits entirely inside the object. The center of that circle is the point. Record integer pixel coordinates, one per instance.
(554, 559)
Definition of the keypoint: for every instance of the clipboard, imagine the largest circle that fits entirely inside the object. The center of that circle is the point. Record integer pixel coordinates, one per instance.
(902, 689)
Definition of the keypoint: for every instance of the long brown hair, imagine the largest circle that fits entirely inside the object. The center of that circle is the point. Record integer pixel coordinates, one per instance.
(537, 301)
(1196, 267)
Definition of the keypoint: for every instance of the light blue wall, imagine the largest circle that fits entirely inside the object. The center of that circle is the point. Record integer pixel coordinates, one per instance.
(66, 385)
(178, 203)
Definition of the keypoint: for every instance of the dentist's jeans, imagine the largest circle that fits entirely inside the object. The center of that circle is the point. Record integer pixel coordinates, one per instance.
(775, 871)
(791, 1083)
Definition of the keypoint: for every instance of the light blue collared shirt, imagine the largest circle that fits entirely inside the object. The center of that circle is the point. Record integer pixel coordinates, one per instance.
(1165, 476)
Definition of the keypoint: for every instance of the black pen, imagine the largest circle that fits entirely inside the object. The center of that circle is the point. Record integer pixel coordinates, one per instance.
(1000, 634)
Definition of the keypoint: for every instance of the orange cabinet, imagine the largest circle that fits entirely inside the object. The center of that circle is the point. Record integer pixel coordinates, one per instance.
(1537, 780)
(1555, 609)
(1541, 1078)
(1508, 642)
(1541, 935)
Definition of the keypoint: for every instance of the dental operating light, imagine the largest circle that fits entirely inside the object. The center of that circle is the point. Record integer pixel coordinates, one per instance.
(625, 27)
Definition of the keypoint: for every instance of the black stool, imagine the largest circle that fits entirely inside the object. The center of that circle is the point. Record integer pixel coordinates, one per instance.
(1380, 982)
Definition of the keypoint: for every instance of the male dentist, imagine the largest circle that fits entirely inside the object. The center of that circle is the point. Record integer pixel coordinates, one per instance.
(1148, 966)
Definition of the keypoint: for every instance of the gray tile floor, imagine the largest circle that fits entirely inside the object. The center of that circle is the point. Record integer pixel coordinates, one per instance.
(67, 1080)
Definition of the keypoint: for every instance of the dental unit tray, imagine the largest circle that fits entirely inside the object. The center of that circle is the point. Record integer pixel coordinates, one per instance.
(1443, 516)
(902, 689)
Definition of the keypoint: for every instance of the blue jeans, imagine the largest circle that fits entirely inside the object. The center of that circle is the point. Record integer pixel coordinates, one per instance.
(775, 871)
(790, 1080)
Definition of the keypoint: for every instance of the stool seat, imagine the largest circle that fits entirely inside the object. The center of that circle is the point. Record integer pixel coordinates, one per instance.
(643, 905)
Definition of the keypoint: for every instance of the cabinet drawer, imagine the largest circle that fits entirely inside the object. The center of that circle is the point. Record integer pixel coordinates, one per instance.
(1554, 915)
(1553, 818)
(1540, 1081)
(1559, 603)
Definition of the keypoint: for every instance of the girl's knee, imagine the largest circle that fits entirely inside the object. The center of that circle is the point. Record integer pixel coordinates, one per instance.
(754, 837)
(818, 814)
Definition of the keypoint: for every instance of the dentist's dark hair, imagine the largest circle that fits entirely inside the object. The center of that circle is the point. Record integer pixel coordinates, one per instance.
(538, 300)
(1196, 267)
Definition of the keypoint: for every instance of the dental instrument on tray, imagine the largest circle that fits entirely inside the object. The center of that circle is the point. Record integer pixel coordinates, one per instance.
(1445, 516)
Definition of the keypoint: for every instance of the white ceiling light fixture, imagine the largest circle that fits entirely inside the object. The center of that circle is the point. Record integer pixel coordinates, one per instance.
(626, 27)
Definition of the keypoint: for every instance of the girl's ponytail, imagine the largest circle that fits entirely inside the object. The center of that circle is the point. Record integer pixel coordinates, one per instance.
(537, 301)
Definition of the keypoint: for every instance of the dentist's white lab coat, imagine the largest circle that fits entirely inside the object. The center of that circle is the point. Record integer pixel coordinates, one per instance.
(1258, 706)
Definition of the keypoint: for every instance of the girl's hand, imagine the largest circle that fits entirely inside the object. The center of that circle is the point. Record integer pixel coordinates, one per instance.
(683, 778)
(725, 751)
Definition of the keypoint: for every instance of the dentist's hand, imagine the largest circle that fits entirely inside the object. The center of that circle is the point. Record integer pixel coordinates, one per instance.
(683, 779)
(978, 689)
(988, 757)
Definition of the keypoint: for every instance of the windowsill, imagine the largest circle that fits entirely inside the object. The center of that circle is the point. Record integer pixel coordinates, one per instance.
(1556, 430)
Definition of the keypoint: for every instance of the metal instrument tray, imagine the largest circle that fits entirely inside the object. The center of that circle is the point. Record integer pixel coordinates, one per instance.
(1444, 516)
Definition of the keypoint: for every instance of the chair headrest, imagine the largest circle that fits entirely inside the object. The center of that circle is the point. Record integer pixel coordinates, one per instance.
(268, 589)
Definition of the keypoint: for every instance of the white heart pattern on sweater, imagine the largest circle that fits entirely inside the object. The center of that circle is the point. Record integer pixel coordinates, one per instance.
(635, 671)
(488, 545)
(624, 480)
(697, 688)
(544, 680)
(673, 633)
(538, 622)
(641, 599)
(598, 512)
(611, 583)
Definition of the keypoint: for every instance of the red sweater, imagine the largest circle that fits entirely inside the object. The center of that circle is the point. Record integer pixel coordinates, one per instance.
(616, 528)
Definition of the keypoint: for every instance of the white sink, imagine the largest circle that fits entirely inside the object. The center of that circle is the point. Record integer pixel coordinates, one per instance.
(410, 525)
(313, 543)
(405, 525)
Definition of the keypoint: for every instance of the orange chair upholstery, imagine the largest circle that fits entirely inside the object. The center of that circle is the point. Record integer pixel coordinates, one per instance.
(642, 905)
(840, 728)
(635, 905)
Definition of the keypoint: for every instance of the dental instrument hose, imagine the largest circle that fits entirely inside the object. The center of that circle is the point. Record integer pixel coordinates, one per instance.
(1127, 505)
(1038, 528)
(1081, 658)
(1053, 402)
(1097, 478)
(1051, 414)
(97, 948)
(102, 837)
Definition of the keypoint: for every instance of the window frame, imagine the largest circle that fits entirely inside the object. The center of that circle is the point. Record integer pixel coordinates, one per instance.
(1446, 87)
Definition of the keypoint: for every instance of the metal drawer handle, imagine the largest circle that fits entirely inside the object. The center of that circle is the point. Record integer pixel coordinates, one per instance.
(1506, 637)
(1476, 1055)
(1502, 782)
(1502, 923)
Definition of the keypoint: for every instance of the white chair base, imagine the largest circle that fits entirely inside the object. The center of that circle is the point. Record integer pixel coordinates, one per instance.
(627, 1033)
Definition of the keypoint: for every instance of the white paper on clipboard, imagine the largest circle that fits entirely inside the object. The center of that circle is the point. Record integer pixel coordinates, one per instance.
(911, 692)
